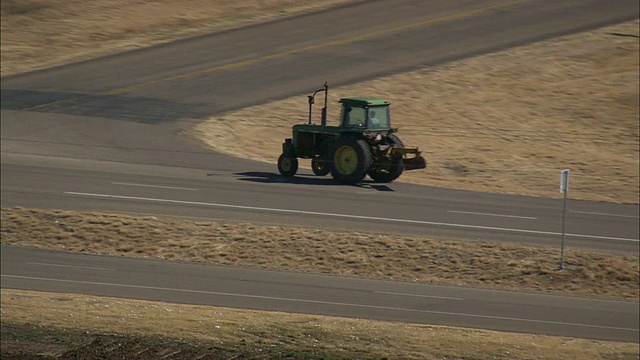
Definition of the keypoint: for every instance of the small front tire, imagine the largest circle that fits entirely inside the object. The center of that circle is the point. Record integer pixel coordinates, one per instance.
(393, 170)
(389, 174)
(320, 167)
(287, 165)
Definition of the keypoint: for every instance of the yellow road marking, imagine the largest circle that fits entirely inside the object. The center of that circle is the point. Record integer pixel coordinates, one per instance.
(244, 63)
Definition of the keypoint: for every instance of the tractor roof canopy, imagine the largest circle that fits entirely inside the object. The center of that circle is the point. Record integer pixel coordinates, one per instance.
(363, 101)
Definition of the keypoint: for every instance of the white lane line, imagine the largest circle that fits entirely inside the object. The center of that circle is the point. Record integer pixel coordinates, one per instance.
(143, 287)
(154, 186)
(70, 266)
(603, 214)
(489, 214)
(417, 295)
(362, 217)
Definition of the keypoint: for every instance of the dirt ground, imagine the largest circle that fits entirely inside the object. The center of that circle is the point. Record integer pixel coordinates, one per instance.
(504, 122)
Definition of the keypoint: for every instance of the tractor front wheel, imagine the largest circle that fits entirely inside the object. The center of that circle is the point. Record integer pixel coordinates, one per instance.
(393, 170)
(351, 160)
(287, 165)
(389, 174)
(319, 166)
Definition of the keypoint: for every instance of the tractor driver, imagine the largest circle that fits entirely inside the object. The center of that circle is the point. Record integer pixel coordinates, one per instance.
(374, 120)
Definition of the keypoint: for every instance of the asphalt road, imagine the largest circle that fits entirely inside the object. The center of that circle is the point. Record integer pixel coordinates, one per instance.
(46, 270)
(311, 201)
(101, 135)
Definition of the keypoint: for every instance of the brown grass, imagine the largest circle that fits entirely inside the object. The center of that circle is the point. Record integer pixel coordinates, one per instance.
(264, 330)
(380, 256)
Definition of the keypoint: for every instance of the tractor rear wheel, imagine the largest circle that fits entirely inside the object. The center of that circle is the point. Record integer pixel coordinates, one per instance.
(287, 165)
(319, 166)
(351, 160)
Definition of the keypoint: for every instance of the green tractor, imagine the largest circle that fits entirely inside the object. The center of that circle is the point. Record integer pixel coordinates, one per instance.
(363, 144)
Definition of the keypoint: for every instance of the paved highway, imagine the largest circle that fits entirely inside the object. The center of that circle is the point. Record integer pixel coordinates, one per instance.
(100, 135)
(318, 294)
(265, 197)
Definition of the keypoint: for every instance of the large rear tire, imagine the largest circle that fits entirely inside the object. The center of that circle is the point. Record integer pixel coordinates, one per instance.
(351, 160)
(287, 165)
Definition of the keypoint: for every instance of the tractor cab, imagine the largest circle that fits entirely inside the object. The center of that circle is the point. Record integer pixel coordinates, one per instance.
(365, 113)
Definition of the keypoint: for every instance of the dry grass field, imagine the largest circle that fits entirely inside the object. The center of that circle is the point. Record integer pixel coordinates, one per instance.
(504, 122)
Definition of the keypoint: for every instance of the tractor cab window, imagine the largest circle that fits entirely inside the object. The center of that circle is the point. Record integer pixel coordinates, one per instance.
(378, 118)
(354, 117)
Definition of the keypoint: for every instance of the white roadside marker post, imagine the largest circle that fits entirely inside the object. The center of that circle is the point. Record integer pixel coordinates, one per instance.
(564, 188)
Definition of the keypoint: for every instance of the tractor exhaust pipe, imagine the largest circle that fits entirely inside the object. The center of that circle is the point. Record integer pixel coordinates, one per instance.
(324, 109)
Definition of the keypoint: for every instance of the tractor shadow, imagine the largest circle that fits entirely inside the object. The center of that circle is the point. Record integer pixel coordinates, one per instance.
(274, 178)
